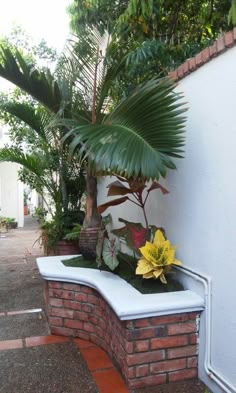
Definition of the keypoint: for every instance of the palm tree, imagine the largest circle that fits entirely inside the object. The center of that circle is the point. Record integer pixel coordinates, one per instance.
(46, 166)
(135, 137)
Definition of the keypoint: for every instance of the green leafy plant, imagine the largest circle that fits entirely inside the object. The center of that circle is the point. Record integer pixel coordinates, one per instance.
(132, 190)
(150, 118)
(74, 233)
(107, 245)
(5, 223)
(40, 213)
(137, 192)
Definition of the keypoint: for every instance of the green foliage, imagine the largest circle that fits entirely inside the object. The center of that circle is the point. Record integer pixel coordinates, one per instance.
(132, 188)
(126, 270)
(40, 213)
(37, 83)
(36, 52)
(150, 120)
(62, 226)
(156, 35)
(6, 220)
(109, 253)
(46, 164)
(74, 233)
(232, 13)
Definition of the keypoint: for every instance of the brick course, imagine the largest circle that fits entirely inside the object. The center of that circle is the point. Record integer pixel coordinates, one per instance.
(148, 351)
(223, 43)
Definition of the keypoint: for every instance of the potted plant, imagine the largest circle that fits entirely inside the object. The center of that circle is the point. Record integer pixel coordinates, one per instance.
(12, 223)
(3, 225)
(60, 235)
(26, 209)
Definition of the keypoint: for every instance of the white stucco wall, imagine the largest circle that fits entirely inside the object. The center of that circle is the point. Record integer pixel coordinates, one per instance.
(11, 193)
(199, 214)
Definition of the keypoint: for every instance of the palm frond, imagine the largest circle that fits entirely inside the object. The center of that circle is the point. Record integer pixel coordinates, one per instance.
(28, 114)
(39, 84)
(32, 162)
(140, 137)
(93, 69)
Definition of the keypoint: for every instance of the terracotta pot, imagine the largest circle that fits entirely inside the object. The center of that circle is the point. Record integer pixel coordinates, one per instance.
(66, 247)
(88, 242)
(3, 227)
(13, 225)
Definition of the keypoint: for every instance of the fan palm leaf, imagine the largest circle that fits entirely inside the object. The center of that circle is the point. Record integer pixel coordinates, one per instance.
(140, 137)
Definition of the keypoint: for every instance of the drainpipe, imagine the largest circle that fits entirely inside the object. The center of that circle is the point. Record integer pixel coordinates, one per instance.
(213, 374)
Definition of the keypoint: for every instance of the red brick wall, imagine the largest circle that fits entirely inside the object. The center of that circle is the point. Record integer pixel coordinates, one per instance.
(148, 351)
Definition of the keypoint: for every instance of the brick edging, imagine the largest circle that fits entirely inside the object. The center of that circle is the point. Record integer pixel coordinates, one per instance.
(223, 43)
(148, 351)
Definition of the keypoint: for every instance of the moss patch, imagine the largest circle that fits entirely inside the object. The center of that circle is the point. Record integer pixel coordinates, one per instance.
(126, 270)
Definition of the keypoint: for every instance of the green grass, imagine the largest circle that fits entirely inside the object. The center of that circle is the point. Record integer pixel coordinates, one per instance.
(126, 270)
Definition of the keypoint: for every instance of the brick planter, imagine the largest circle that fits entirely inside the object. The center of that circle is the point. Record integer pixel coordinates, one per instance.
(149, 349)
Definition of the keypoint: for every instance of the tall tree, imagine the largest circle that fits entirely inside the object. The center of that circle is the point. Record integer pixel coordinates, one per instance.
(156, 35)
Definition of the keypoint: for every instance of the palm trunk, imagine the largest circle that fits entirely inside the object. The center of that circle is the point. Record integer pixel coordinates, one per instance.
(92, 222)
(92, 218)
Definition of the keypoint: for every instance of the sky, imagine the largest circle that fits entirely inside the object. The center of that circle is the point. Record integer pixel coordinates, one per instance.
(46, 19)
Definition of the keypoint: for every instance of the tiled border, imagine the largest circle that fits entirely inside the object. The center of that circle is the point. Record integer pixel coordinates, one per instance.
(105, 375)
(31, 342)
(223, 43)
(103, 372)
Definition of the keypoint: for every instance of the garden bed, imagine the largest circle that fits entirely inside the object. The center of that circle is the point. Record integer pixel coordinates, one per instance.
(152, 338)
(126, 271)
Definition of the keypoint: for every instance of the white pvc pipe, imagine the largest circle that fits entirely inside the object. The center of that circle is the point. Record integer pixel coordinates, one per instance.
(213, 374)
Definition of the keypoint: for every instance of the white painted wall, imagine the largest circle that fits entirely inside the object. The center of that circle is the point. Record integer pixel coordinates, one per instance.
(11, 193)
(199, 214)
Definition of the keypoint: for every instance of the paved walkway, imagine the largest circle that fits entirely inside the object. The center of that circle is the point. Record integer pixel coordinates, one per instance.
(32, 360)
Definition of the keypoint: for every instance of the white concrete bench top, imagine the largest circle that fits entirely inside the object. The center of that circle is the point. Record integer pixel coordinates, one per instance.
(126, 301)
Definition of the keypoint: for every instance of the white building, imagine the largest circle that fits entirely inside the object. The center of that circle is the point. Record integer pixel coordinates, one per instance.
(11, 189)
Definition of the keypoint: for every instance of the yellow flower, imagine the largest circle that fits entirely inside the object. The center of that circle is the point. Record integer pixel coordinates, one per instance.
(158, 258)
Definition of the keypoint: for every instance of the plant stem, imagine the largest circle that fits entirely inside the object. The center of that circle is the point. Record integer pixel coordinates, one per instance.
(145, 216)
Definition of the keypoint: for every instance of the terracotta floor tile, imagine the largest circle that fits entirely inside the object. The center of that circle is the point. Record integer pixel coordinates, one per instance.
(96, 358)
(11, 344)
(109, 381)
(83, 343)
(44, 340)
